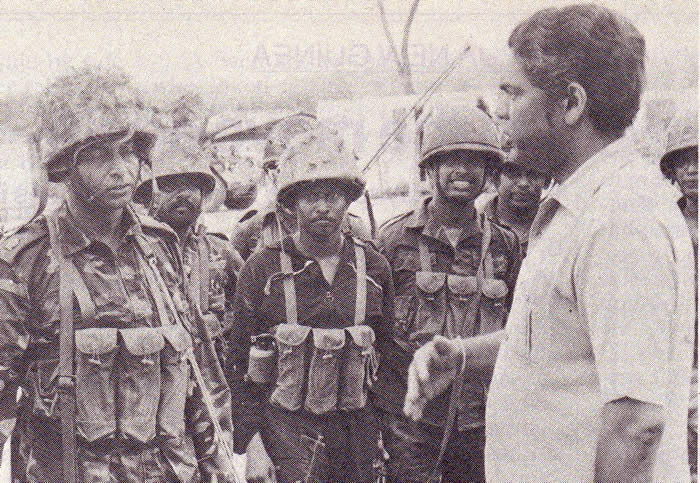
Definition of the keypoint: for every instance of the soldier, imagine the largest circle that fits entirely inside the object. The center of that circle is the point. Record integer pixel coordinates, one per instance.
(183, 180)
(94, 323)
(324, 300)
(259, 227)
(515, 201)
(680, 165)
(454, 272)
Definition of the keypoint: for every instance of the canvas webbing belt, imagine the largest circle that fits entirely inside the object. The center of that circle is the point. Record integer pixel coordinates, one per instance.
(70, 283)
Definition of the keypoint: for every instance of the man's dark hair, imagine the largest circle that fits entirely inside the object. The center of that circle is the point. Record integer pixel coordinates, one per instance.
(593, 46)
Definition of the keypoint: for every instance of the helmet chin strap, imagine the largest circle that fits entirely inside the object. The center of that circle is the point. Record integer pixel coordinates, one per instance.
(156, 197)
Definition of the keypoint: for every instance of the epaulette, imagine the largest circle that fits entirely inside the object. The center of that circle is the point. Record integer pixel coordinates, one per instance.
(20, 238)
(150, 223)
(395, 219)
(248, 215)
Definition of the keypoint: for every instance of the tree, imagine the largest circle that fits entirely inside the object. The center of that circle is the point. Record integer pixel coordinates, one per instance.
(403, 63)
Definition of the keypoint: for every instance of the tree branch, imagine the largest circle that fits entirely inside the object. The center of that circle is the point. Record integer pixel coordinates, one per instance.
(406, 34)
(389, 37)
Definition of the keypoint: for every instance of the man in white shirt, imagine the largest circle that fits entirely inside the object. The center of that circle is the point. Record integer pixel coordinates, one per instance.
(592, 370)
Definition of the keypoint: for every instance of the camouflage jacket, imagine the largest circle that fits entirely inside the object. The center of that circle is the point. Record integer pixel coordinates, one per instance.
(224, 265)
(398, 240)
(29, 332)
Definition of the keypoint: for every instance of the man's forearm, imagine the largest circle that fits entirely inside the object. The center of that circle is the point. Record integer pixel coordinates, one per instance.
(481, 352)
(630, 434)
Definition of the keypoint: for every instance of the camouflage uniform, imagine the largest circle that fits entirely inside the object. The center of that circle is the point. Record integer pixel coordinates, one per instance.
(459, 290)
(178, 154)
(29, 311)
(108, 390)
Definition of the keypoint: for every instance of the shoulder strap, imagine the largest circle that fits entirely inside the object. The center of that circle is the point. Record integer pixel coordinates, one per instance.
(157, 287)
(66, 378)
(203, 252)
(424, 254)
(290, 292)
(361, 290)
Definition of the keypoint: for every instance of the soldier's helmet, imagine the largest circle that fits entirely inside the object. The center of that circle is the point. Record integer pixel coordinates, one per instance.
(318, 155)
(177, 153)
(459, 126)
(281, 133)
(83, 106)
(682, 134)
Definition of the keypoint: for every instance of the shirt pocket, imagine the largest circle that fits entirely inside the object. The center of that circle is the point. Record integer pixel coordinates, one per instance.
(519, 329)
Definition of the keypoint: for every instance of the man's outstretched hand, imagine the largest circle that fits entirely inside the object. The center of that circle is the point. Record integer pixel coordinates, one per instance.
(431, 372)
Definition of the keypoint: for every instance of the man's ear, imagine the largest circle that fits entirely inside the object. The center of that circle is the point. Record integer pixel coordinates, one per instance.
(574, 103)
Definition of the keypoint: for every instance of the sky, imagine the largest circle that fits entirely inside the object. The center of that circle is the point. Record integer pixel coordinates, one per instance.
(251, 48)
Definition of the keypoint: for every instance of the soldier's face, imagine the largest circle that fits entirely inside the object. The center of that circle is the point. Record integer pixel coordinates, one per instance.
(106, 172)
(684, 165)
(321, 208)
(527, 117)
(458, 175)
(520, 188)
(181, 201)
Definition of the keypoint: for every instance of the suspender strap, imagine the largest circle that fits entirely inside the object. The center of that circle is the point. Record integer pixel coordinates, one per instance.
(203, 252)
(66, 378)
(361, 291)
(460, 378)
(424, 254)
(290, 292)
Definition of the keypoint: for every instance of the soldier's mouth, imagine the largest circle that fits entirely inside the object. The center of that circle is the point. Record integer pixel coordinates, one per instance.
(118, 190)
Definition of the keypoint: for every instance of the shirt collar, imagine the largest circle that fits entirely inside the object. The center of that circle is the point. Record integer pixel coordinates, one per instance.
(73, 239)
(422, 220)
(576, 192)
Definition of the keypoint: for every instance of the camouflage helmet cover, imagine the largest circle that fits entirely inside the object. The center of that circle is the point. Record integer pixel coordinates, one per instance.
(682, 134)
(318, 155)
(87, 104)
(178, 153)
(459, 126)
(282, 132)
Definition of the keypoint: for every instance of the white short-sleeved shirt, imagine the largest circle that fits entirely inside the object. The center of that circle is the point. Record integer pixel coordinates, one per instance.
(603, 309)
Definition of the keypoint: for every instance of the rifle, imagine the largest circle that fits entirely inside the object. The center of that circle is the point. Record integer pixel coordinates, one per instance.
(155, 278)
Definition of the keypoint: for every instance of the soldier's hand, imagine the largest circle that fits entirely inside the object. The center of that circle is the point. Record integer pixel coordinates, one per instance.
(259, 467)
(431, 372)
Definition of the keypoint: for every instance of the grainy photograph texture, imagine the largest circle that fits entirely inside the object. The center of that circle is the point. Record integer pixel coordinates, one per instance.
(354, 241)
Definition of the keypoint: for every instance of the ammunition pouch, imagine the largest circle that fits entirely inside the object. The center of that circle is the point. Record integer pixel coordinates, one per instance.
(331, 370)
(129, 383)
